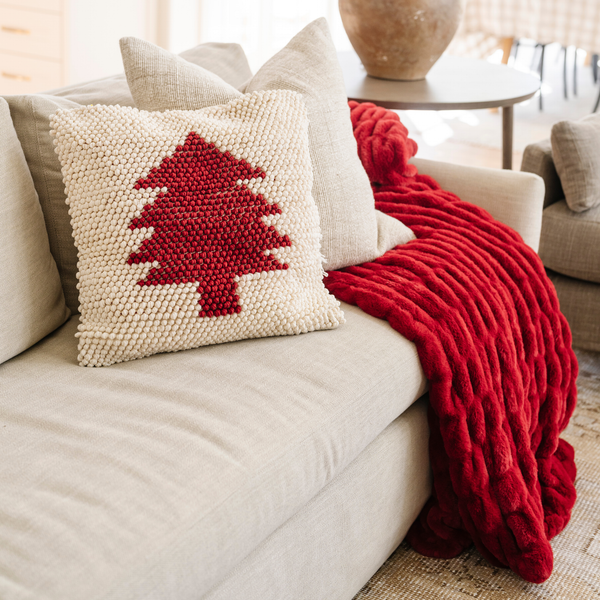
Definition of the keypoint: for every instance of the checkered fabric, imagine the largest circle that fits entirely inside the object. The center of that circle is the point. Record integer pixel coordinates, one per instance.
(568, 22)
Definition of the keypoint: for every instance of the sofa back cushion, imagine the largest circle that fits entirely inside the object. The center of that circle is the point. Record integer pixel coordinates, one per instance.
(31, 117)
(576, 151)
(31, 295)
(353, 231)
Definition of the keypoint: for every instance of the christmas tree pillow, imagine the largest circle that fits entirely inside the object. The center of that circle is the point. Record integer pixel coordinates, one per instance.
(192, 227)
(353, 231)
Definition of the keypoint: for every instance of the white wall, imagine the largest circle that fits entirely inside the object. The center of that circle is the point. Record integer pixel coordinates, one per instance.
(184, 24)
(95, 27)
(263, 27)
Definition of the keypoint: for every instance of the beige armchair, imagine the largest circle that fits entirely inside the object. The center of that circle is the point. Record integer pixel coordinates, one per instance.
(569, 249)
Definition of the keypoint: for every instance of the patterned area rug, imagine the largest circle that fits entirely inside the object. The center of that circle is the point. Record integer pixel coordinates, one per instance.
(409, 576)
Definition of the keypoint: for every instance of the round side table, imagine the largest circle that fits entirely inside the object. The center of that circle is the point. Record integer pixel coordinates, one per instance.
(454, 83)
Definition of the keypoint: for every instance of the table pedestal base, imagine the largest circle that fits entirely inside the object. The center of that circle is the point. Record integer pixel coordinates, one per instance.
(507, 136)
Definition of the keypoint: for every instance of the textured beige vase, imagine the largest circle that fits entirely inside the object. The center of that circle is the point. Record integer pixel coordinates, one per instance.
(400, 39)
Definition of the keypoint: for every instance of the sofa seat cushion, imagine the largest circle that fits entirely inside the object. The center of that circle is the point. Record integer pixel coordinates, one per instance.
(570, 241)
(179, 465)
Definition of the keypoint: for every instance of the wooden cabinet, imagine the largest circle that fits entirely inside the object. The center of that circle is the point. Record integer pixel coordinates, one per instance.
(46, 44)
(31, 45)
(24, 75)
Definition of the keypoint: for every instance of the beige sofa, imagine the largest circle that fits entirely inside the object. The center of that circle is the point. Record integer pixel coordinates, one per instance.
(260, 469)
(570, 250)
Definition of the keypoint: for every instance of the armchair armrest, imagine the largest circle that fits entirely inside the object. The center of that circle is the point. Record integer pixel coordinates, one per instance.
(514, 198)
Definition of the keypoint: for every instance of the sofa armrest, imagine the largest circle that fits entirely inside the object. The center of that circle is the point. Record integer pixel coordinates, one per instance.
(538, 159)
(514, 198)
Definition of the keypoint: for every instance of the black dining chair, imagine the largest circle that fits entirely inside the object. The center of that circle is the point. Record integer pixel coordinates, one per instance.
(540, 67)
(595, 59)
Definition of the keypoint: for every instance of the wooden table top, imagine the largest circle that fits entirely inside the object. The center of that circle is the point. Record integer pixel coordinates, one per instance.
(454, 83)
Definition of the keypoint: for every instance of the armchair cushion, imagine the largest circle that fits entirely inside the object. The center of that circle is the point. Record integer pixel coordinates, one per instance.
(570, 241)
(580, 303)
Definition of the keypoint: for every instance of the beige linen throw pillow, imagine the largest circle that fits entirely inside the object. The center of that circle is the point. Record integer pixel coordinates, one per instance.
(31, 118)
(576, 153)
(353, 231)
(31, 298)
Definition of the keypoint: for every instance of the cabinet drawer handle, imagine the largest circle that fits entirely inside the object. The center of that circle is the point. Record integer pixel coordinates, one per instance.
(15, 30)
(16, 76)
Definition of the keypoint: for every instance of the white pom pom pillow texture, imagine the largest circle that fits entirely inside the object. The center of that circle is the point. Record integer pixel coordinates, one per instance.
(192, 227)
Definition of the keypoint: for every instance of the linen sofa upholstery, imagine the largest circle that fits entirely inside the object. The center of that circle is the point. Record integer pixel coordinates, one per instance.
(260, 469)
(569, 249)
(230, 441)
(370, 506)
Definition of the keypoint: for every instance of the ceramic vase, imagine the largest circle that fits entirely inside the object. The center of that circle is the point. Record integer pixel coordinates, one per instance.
(400, 39)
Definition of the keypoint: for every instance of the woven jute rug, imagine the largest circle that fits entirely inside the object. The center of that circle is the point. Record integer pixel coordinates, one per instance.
(409, 576)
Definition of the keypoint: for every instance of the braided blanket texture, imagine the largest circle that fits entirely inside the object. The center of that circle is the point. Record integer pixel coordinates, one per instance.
(485, 319)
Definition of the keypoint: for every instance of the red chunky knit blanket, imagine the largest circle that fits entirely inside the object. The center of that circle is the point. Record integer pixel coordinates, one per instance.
(497, 353)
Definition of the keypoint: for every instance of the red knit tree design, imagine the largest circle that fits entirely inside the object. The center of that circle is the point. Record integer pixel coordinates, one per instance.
(208, 228)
